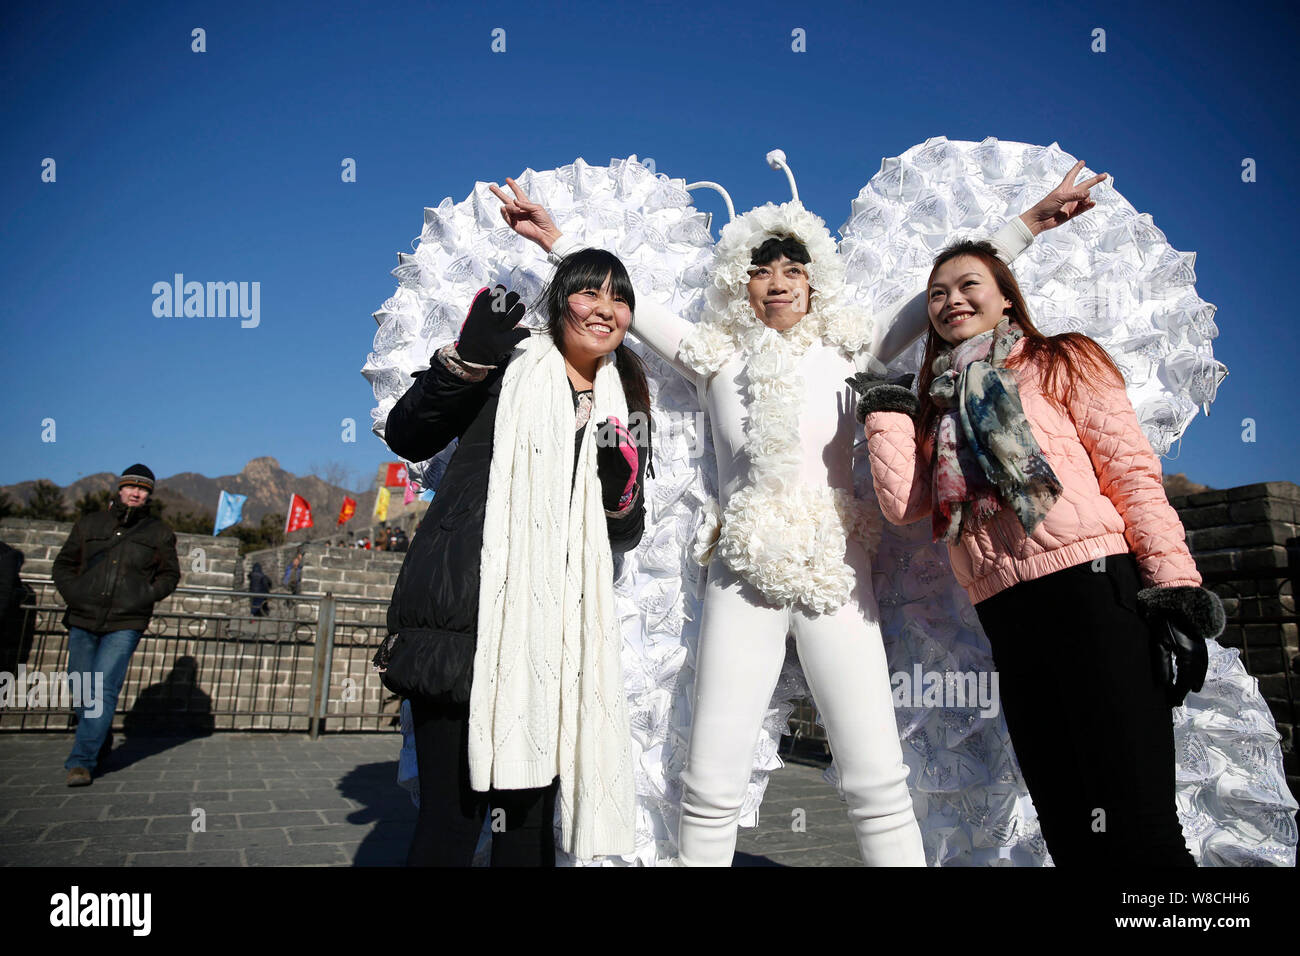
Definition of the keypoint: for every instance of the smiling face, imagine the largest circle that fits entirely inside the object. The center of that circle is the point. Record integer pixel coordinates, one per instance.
(779, 293)
(964, 299)
(595, 323)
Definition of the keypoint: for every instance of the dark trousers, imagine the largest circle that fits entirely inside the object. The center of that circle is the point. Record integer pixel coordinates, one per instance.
(451, 813)
(1088, 720)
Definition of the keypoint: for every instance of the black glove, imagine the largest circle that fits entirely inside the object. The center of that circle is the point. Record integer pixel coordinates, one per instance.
(489, 332)
(1181, 620)
(1181, 661)
(617, 462)
(884, 395)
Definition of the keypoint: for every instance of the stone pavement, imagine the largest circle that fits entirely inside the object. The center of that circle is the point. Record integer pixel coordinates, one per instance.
(287, 800)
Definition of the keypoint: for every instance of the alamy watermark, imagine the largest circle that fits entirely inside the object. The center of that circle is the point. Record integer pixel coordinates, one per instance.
(212, 300)
(638, 427)
(75, 908)
(946, 689)
(82, 691)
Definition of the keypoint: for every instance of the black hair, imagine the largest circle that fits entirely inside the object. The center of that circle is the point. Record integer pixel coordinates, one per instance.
(778, 246)
(589, 269)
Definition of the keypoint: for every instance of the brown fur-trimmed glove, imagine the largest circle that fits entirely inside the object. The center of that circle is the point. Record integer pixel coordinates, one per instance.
(1181, 619)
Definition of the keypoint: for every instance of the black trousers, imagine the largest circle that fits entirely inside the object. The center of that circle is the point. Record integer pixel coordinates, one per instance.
(1088, 720)
(451, 813)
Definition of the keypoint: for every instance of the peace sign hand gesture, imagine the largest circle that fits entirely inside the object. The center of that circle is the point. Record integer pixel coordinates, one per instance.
(525, 217)
(1063, 203)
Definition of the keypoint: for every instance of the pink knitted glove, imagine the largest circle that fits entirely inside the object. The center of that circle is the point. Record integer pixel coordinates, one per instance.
(617, 461)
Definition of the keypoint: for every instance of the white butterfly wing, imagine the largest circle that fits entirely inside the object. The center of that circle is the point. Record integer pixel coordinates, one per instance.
(1112, 275)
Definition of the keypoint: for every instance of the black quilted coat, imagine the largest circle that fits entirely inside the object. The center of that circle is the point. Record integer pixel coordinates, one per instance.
(437, 587)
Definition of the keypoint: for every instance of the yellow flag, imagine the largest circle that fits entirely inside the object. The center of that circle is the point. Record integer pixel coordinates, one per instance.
(381, 505)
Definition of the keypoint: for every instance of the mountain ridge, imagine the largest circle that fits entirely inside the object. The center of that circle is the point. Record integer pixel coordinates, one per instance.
(267, 485)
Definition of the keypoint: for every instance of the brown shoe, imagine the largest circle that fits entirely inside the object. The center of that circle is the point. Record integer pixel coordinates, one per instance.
(79, 777)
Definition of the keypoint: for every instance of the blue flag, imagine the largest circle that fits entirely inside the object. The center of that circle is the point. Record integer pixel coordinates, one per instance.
(230, 509)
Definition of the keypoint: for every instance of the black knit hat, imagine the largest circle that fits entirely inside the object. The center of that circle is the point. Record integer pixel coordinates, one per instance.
(137, 475)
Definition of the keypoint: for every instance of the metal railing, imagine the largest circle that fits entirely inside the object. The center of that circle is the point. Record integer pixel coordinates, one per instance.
(803, 728)
(206, 663)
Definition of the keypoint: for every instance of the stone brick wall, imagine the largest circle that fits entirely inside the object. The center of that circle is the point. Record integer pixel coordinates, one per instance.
(205, 561)
(351, 572)
(1234, 532)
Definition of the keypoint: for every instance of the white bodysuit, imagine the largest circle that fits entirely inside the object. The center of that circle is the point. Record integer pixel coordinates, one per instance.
(742, 641)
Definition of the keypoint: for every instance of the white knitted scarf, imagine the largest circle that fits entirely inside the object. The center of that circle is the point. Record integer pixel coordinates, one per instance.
(548, 696)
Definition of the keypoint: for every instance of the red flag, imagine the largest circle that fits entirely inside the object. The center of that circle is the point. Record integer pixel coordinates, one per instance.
(299, 514)
(411, 489)
(396, 475)
(348, 510)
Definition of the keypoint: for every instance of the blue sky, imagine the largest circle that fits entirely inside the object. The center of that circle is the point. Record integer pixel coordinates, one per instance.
(225, 165)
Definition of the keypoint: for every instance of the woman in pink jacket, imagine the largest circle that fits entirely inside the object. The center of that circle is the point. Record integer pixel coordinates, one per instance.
(1027, 455)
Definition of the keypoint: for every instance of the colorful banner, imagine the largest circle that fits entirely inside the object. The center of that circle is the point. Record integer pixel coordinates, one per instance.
(299, 514)
(396, 475)
(348, 510)
(412, 488)
(381, 505)
(230, 509)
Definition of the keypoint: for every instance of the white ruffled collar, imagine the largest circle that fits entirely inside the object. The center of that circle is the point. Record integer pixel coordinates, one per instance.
(784, 536)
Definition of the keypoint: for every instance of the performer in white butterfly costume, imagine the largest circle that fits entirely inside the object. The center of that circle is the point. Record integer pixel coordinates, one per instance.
(792, 556)
(965, 786)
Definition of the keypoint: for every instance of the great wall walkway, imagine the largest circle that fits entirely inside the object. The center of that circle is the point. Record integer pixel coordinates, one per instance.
(287, 800)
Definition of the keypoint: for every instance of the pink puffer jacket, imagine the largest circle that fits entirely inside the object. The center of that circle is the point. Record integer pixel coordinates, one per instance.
(1113, 501)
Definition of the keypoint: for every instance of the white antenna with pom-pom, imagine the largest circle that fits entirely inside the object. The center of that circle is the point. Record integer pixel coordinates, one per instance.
(776, 159)
(726, 198)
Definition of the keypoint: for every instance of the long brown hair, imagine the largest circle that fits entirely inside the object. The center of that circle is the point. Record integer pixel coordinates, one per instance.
(1067, 358)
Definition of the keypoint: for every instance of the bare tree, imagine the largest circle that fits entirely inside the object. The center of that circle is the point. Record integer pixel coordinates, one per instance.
(334, 473)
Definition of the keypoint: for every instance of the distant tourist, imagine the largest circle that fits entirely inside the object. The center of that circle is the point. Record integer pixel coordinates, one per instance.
(259, 583)
(114, 567)
(293, 575)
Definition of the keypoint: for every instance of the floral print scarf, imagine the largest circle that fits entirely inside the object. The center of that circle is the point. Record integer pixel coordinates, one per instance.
(986, 456)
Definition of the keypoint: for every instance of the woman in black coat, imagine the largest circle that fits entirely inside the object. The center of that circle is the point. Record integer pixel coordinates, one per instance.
(433, 615)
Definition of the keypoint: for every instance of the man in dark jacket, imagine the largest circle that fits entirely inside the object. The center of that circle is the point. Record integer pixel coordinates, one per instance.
(114, 567)
(259, 583)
